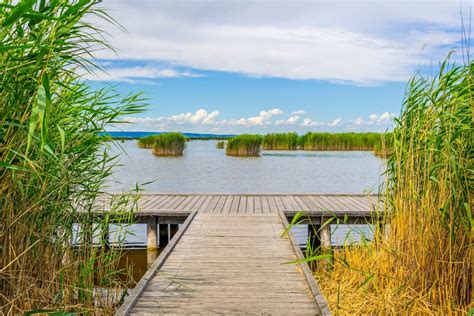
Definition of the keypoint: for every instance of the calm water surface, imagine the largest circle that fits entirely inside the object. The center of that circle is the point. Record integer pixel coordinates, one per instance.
(205, 169)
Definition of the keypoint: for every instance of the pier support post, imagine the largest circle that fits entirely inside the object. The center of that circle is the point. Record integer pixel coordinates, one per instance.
(151, 232)
(325, 236)
(152, 243)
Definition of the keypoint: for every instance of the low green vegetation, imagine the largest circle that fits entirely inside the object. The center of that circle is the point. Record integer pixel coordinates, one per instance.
(169, 144)
(376, 142)
(147, 141)
(339, 141)
(220, 144)
(54, 160)
(280, 141)
(244, 145)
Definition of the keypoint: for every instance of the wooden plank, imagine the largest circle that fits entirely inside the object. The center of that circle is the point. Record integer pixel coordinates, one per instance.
(235, 205)
(232, 263)
(279, 203)
(187, 202)
(220, 204)
(131, 300)
(258, 204)
(205, 204)
(213, 204)
(250, 206)
(265, 205)
(242, 205)
(227, 205)
(299, 200)
(315, 290)
(198, 203)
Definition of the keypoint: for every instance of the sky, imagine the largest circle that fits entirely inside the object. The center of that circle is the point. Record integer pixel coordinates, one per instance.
(273, 66)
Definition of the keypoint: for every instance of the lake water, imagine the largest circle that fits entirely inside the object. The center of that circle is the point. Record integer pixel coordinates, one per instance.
(205, 169)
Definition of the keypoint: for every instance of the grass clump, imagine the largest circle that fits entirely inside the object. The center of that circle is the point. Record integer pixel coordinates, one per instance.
(280, 141)
(424, 264)
(146, 142)
(244, 145)
(339, 141)
(54, 160)
(169, 144)
(220, 144)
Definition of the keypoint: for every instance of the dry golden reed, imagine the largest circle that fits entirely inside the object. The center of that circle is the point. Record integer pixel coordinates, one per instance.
(422, 263)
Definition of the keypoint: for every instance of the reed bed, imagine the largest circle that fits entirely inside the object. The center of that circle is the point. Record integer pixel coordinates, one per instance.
(423, 262)
(146, 142)
(53, 162)
(220, 144)
(169, 144)
(244, 145)
(280, 141)
(339, 141)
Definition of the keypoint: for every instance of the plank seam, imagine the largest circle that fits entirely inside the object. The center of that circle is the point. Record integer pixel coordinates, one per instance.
(315, 290)
(138, 290)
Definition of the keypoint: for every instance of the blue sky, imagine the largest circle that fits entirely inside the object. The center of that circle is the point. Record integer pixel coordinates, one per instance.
(256, 67)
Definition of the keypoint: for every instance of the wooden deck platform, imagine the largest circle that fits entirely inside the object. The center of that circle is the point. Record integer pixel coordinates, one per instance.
(228, 262)
(228, 257)
(174, 208)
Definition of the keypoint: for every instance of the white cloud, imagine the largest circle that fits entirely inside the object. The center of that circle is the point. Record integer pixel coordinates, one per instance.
(336, 122)
(359, 121)
(384, 118)
(205, 121)
(355, 42)
(262, 119)
(137, 74)
(201, 116)
(290, 121)
(307, 122)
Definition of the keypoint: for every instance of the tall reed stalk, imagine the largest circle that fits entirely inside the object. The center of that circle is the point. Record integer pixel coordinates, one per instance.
(169, 144)
(244, 146)
(54, 161)
(423, 265)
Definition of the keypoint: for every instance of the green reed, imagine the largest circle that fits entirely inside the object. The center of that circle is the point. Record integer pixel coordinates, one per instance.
(146, 142)
(280, 141)
(220, 144)
(244, 145)
(169, 144)
(339, 141)
(421, 263)
(54, 160)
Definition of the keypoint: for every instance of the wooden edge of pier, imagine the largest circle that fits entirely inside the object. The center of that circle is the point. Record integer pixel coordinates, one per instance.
(315, 290)
(131, 300)
(245, 194)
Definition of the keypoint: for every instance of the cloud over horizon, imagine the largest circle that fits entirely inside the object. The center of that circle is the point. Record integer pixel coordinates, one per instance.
(204, 121)
(357, 42)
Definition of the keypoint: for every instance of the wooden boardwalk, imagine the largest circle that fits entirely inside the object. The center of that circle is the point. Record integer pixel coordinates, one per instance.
(229, 257)
(228, 263)
(176, 207)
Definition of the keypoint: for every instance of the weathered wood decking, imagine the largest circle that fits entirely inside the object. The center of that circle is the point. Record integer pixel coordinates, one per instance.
(174, 208)
(229, 256)
(228, 263)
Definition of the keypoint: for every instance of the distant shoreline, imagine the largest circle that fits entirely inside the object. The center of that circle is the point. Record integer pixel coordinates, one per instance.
(191, 136)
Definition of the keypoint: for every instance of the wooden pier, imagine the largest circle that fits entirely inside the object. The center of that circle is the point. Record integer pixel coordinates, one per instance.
(229, 256)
